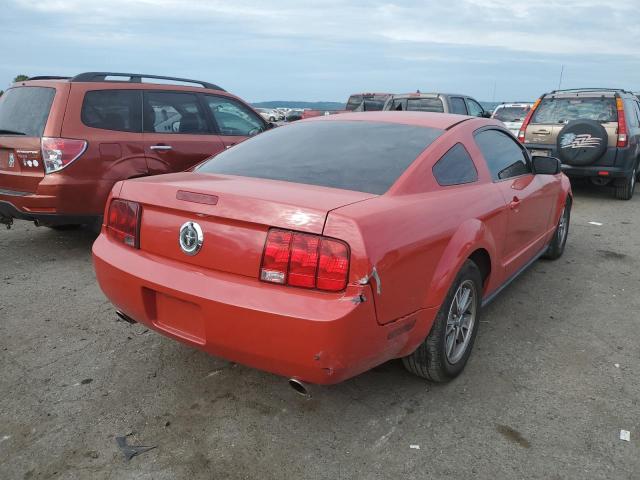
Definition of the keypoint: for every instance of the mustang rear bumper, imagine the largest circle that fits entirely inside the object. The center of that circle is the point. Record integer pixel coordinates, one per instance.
(312, 336)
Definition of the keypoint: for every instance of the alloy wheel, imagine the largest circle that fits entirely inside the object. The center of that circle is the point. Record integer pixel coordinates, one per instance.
(460, 321)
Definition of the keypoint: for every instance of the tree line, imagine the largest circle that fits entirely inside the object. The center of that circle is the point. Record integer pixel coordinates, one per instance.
(18, 78)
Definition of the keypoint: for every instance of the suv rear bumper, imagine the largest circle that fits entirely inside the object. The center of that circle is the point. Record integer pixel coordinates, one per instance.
(594, 171)
(56, 201)
(615, 163)
(9, 211)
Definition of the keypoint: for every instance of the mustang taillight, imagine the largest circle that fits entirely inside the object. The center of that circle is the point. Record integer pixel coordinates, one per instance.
(305, 260)
(58, 153)
(123, 223)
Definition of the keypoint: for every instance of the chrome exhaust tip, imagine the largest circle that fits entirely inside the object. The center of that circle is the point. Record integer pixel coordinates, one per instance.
(299, 387)
(124, 317)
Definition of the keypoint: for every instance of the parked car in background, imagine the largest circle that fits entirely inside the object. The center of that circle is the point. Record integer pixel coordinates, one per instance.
(293, 115)
(595, 132)
(64, 142)
(358, 102)
(366, 102)
(323, 248)
(512, 115)
(268, 114)
(437, 103)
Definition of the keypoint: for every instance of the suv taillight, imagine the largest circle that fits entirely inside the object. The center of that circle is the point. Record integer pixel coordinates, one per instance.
(123, 222)
(527, 119)
(57, 153)
(305, 260)
(623, 139)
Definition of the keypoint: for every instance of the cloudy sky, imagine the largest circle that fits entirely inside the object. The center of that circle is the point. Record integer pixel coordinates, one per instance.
(325, 50)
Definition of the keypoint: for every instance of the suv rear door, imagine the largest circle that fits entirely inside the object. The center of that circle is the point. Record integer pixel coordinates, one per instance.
(177, 133)
(24, 113)
(234, 121)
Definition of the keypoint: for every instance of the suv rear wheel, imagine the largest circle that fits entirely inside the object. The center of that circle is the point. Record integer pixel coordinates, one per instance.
(626, 186)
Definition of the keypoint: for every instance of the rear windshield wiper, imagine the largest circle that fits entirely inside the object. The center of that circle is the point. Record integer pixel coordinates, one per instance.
(10, 132)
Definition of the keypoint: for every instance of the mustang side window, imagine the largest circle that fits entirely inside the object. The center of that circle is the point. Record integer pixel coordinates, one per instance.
(505, 158)
(455, 167)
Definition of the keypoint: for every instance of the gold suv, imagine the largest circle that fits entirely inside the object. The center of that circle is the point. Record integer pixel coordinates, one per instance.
(595, 132)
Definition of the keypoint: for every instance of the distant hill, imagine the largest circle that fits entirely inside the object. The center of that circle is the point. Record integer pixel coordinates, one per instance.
(294, 104)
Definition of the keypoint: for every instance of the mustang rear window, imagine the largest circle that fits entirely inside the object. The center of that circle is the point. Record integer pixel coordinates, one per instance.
(351, 155)
(25, 110)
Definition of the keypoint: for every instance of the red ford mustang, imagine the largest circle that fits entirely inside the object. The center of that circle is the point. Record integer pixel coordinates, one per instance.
(324, 248)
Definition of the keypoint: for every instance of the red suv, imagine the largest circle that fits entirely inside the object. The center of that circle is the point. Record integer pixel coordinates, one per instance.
(64, 142)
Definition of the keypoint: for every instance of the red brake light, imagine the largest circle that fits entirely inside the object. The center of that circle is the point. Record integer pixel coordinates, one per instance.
(334, 265)
(57, 153)
(527, 119)
(123, 223)
(303, 265)
(305, 260)
(623, 139)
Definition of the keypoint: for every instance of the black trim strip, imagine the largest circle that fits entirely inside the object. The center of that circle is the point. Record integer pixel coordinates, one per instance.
(490, 298)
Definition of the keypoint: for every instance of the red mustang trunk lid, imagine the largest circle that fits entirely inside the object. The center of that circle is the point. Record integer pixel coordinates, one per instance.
(234, 214)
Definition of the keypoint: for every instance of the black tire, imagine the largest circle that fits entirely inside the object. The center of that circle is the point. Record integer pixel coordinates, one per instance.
(430, 359)
(559, 240)
(625, 187)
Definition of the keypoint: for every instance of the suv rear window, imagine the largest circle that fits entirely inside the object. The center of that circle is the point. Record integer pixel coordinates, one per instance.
(25, 110)
(361, 156)
(119, 110)
(425, 105)
(563, 110)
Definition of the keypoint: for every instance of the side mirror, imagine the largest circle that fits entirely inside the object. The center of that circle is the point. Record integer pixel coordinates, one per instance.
(486, 114)
(270, 125)
(545, 165)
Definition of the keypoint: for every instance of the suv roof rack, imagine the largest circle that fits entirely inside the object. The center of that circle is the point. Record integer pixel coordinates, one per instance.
(136, 78)
(590, 89)
(48, 77)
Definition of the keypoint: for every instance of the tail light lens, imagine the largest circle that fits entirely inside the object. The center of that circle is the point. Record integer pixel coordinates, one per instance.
(623, 139)
(305, 260)
(527, 119)
(58, 153)
(123, 223)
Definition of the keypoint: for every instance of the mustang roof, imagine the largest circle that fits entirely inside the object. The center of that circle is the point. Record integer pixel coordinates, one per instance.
(440, 121)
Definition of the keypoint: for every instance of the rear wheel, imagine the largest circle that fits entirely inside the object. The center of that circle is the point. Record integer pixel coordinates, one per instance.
(559, 240)
(626, 186)
(445, 351)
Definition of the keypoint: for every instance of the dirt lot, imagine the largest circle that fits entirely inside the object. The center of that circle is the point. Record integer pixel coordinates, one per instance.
(552, 381)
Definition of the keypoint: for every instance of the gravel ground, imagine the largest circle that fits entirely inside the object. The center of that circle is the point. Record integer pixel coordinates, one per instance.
(553, 379)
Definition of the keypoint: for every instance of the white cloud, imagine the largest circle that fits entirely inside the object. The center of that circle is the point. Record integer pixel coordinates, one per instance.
(552, 27)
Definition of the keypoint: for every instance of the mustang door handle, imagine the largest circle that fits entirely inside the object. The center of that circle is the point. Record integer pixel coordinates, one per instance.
(515, 203)
(161, 147)
(541, 132)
